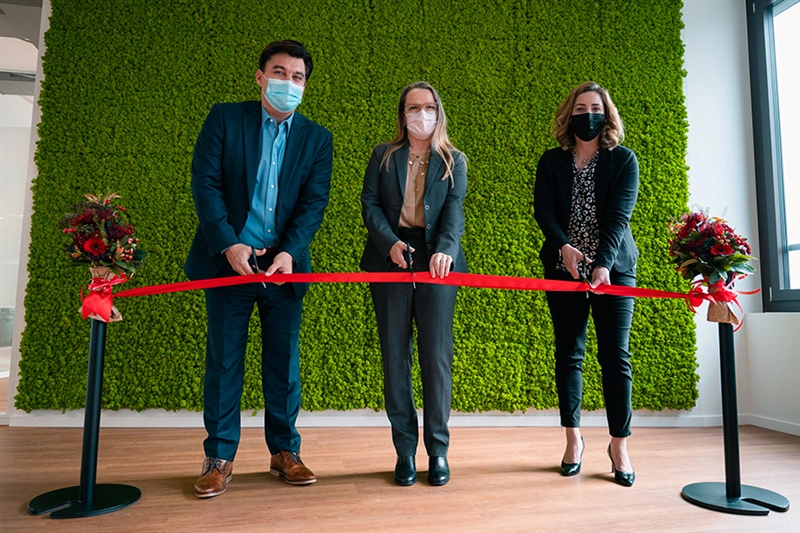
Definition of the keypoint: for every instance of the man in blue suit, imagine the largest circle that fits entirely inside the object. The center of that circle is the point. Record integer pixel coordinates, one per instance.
(260, 180)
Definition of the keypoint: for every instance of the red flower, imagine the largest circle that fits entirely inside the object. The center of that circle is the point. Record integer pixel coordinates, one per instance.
(95, 246)
(721, 249)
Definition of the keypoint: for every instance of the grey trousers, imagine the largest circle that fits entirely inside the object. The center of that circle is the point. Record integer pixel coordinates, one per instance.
(431, 307)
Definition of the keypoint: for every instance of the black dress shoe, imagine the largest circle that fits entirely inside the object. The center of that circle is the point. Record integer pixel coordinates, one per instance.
(621, 478)
(438, 471)
(573, 469)
(405, 470)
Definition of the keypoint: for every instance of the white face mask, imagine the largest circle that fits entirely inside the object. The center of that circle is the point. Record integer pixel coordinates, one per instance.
(283, 95)
(421, 124)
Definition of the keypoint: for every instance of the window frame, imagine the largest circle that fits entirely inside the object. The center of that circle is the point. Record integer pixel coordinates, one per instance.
(774, 260)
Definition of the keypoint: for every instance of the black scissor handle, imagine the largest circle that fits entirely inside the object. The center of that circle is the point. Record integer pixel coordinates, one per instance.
(409, 261)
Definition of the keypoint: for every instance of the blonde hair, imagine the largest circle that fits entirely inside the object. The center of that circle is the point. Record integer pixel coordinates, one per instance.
(612, 133)
(440, 142)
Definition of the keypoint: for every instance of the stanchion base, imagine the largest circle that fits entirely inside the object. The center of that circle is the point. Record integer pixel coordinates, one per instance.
(753, 501)
(65, 503)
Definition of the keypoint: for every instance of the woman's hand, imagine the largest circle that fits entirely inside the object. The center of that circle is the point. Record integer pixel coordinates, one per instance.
(600, 276)
(572, 256)
(396, 254)
(440, 265)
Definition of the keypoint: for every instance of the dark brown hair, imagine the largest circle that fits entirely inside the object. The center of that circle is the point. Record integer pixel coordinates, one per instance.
(612, 132)
(290, 48)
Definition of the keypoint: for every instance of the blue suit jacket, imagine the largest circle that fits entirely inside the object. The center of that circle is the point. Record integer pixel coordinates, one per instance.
(224, 169)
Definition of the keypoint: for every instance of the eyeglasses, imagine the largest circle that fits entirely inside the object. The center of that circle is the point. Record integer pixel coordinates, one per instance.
(416, 108)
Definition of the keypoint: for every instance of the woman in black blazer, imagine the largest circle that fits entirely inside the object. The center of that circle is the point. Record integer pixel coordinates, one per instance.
(583, 200)
(411, 201)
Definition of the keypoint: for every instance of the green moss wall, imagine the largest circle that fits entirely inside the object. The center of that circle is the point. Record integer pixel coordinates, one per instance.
(128, 84)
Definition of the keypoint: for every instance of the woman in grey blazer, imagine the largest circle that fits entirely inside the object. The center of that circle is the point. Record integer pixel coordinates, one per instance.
(584, 197)
(412, 199)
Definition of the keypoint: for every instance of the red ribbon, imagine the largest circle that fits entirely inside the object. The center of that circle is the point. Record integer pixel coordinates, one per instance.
(482, 281)
(100, 299)
(720, 292)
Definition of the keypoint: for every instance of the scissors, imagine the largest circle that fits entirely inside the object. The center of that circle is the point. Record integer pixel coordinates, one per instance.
(583, 272)
(254, 265)
(410, 260)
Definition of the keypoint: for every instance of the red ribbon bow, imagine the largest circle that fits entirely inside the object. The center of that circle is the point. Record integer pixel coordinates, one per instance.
(100, 300)
(719, 292)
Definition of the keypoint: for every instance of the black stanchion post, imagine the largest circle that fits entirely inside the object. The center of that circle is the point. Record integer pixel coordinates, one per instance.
(730, 412)
(91, 418)
(88, 499)
(732, 496)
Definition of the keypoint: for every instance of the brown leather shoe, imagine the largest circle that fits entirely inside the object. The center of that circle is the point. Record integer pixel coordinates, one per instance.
(214, 478)
(289, 466)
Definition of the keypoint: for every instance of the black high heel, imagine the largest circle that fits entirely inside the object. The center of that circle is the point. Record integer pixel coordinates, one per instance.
(621, 478)
(573, 469)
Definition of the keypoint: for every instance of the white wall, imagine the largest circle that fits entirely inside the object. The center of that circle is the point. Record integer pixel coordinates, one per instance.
(24, 240)
(773, 350)
(15, 130)
(721, 178)
(720, 155)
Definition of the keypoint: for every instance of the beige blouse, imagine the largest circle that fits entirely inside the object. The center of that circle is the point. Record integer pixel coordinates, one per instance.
(413, 213)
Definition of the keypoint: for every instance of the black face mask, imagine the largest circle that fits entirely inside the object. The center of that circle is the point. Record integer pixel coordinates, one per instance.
(588, 125)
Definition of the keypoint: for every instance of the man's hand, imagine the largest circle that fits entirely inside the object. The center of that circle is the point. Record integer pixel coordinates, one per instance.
(282, 264)
(239, 256)
(396, 254)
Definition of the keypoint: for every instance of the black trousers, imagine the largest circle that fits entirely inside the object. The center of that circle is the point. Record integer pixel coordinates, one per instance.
(432, 308)
(612, 320)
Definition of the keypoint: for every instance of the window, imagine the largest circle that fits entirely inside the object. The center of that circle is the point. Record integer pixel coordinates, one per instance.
(774, 48)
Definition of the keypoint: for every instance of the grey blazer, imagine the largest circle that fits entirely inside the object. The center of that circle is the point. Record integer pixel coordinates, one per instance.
(382, 201)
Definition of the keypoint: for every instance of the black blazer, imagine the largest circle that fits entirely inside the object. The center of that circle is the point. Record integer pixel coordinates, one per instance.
(616, 188)
(382, 201)
(224, 171)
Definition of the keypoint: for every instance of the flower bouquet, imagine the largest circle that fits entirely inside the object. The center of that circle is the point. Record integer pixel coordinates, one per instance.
(101, 236)
(708, 252)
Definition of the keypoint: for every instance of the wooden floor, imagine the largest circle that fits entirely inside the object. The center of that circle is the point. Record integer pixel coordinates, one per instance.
(502, 480)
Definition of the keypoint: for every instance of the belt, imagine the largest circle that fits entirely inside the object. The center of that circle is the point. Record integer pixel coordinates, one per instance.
(264, 261)
(411, 233)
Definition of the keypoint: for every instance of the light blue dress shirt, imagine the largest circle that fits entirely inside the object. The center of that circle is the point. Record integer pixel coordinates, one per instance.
(259, 231)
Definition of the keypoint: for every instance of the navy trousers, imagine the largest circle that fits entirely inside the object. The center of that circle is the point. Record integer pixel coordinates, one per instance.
(229, 310)
(612, 317)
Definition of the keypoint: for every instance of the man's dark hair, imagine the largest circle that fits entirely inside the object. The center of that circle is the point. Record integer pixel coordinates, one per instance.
(292, 49)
